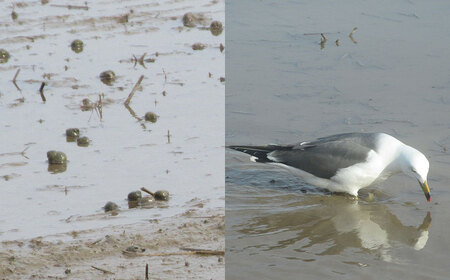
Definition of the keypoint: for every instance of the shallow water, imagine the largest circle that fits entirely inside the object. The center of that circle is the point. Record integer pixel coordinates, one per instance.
(126, 152)
(283, 86)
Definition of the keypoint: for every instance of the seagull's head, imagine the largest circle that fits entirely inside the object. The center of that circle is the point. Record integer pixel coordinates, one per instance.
(416, 165)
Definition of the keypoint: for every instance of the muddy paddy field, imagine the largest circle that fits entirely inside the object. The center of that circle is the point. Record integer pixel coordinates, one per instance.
(75, 67)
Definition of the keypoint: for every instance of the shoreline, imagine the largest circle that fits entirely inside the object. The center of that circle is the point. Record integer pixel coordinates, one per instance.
(122, 252)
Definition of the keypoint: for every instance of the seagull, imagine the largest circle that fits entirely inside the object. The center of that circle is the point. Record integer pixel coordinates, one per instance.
(345, 162)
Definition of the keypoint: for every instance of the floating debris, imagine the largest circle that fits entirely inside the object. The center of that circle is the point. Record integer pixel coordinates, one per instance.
(108, 77)
(55, 157)
(221, 47)
(110, 206)
(222, 79)
(73, 132)
(151, 117)
(216, 28)
(4, 56)
(198, 46)
(162, 195)
(83, 141)
(77, 46)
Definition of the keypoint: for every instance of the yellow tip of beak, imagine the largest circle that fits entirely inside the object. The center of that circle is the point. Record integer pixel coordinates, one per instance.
(426, 190)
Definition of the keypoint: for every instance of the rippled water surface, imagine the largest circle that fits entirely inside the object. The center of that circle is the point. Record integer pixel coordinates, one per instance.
(180, 85)
(286, 84)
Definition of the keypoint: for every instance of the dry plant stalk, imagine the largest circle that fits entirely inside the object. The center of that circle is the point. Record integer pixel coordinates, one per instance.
(133, 90)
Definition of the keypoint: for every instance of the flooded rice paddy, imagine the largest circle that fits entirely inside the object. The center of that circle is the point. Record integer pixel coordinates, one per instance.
(286, 83)
(169, 137)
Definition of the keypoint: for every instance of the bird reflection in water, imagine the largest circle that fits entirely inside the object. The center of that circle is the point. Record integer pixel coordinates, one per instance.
(328, 225)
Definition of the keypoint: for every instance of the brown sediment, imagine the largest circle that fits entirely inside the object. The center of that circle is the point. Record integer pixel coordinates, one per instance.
(163, 244)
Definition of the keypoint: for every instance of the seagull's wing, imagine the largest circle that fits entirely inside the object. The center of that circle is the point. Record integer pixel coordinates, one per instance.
(321, 158)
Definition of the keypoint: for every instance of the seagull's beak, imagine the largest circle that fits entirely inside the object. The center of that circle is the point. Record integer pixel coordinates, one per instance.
(426, 190)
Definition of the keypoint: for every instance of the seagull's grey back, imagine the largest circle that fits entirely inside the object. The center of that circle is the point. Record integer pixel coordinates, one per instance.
(325, 156)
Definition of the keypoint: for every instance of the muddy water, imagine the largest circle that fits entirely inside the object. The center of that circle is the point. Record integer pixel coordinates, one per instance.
(125, 152)
(284, 86)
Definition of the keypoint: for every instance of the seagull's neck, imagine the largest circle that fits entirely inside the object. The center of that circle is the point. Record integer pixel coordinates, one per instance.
(401, 160)
(394, 153)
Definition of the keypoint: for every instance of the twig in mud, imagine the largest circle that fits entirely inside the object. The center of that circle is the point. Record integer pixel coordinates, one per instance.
(317, 33)
(351, 35)
(135, 60)
(141, 60)
(71, 7)
(102, 270)
(144, 189)
(99, 107)
(323, 40)
(204, 252)
(168, 136)
(41, 91)
(15, 76)
(146, 271)
(95, 242)
(192, 252)
(134, 90)
(22, 153)
(165, 76)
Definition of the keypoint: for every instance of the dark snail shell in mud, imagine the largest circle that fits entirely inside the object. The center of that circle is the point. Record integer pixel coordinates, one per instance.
(77, 46)
(83, 141)
(216, 28)
(14, 15)
(4, 56)
(73, 132)
(189, 20)
(134, 196)
(198, 46)
(55, 157)
(108, 77)
(151, 117)
(162, 195)
(110, 206)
